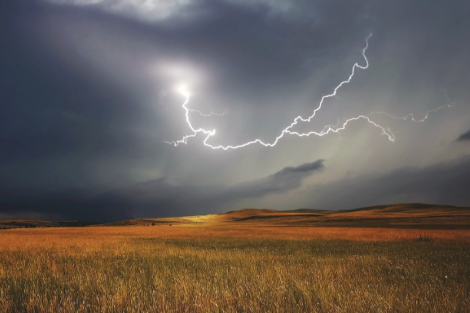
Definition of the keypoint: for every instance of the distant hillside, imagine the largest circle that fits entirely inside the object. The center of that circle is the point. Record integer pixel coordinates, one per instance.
(407, 207)
(405, 215)
(305, 211)
(25, 223)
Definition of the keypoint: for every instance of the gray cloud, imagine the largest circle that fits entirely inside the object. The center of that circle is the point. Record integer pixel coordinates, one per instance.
(286, 179)
(464, 136)
(148, 11)
(442, 183)
(302, 169)
(154, 198)
(87, 102)
(439, 184)
(157, 11)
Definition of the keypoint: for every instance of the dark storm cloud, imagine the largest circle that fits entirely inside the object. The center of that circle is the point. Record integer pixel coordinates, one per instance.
(57, 120)
(445, 183)
(150, 199)
(75, 204)
(74, 83)
(286, 179)
(52, 110)
(302, 169)
(58, 108)
(464, 136)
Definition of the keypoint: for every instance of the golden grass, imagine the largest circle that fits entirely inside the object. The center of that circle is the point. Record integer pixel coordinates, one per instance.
(234, 269)
(43, 236)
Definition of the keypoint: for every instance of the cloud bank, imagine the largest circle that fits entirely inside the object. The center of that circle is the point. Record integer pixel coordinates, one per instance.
(464, 136)
(442, 183)
(153, 198)
(87, 102)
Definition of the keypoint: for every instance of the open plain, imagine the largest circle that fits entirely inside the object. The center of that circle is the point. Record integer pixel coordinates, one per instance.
(402, 258)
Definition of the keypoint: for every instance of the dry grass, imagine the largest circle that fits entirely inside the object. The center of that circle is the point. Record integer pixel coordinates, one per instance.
(234, 269)
(409, 215)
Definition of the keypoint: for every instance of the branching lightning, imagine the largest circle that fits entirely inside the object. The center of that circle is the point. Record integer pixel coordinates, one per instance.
(209, 114)
(288, 130)
(411, 116)
(182, 89)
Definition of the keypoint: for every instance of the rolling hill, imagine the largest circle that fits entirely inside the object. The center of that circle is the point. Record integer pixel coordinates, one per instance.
(27, 223)
(407, 215)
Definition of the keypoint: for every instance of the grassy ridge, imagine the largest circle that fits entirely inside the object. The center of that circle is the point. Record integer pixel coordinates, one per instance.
(132, 274)
(406, 216)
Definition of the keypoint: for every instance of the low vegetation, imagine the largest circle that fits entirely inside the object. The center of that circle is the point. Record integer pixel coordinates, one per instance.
(204, 269)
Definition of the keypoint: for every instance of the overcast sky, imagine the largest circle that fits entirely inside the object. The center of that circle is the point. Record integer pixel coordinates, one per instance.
(89, 98)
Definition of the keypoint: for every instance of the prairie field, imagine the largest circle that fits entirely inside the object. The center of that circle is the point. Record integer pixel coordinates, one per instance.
(234, 268)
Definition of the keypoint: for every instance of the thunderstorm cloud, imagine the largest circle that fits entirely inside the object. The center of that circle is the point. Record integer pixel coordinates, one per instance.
(89, 97)
(144, 199)
(286, 179)
(464, 136)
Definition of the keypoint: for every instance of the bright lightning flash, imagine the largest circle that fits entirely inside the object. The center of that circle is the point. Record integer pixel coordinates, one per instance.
(288, 130)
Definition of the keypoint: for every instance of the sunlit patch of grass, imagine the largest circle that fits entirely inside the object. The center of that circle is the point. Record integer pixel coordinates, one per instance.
(82, 271)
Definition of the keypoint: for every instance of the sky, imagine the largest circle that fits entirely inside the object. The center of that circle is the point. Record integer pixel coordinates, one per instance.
(93, 91)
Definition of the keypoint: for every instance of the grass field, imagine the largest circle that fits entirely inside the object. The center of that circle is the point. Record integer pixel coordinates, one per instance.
(234, 268)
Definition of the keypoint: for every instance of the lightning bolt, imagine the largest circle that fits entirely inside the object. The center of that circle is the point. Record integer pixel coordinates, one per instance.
(411, 116)
(288, 130)
(183, 89)
(209, 114)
